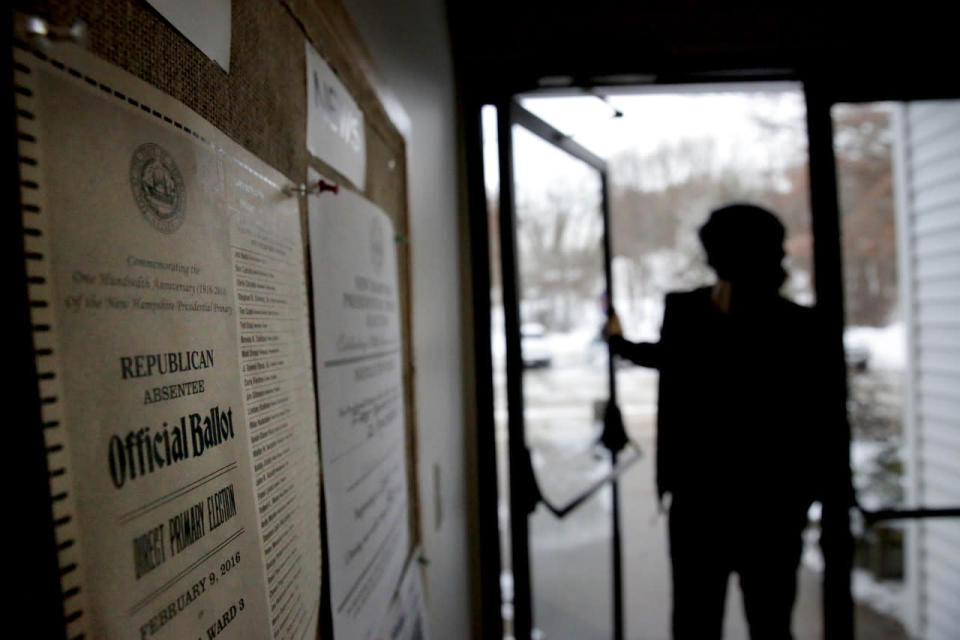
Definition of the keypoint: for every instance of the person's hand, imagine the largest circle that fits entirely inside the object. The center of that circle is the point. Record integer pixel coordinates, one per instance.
(612, 327)
(665, 499)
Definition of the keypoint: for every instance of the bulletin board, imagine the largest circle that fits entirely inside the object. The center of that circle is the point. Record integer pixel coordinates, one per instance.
(261, 105)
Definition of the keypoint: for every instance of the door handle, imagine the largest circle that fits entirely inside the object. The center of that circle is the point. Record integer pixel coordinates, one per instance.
(879, 515)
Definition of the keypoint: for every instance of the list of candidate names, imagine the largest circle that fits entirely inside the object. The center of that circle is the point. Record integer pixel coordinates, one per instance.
(277, 385)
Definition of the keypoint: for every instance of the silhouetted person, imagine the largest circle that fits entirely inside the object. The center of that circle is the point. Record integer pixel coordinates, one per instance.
(738, 430)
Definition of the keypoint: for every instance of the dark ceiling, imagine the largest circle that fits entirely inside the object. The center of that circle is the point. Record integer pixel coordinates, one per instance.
(868, 51)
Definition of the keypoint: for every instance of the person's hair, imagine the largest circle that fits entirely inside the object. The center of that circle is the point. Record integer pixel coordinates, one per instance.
(741, 238)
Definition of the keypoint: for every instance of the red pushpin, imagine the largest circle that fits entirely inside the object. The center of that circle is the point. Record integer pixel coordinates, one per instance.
(323, 185)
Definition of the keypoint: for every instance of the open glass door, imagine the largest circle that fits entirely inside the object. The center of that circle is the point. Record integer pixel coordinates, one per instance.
(558, 383)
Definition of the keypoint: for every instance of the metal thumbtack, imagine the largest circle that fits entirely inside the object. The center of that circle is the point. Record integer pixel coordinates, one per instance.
(319, 187)
(42, 33)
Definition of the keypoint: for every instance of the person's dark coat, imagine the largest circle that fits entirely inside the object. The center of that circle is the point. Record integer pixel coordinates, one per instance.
(740, 444)
(740, 419)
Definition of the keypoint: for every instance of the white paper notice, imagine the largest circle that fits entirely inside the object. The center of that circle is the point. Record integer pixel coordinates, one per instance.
(275, 362)
(205, 23)
(405, 619)
(362, 434)
(334, 121)
(174, 276)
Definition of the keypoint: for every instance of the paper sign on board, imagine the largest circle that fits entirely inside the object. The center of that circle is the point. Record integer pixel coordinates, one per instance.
(334, 121)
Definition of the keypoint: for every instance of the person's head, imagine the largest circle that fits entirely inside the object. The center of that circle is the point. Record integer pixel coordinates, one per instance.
(744, 245)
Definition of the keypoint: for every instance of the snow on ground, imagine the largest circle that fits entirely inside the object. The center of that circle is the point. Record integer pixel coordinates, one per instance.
(572, 347)
(884, 596)
(887, 346)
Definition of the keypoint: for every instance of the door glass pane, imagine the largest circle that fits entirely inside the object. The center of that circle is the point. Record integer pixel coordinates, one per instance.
(498, 348)
(559, 230)
(676, 153)
(898, 167)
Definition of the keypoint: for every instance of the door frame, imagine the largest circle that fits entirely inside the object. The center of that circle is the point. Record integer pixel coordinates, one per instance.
(510, 113)
(821, 90)
(822, 93)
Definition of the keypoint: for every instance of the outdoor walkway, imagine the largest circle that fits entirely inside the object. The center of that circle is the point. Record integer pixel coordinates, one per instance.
(571, 572)
(570, 559)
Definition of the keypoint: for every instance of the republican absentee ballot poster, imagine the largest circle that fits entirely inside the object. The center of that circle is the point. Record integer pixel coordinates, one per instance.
(168, 271)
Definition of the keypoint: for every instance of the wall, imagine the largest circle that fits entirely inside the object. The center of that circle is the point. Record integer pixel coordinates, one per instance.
(260, 104)
(409, 43)
(928, 190)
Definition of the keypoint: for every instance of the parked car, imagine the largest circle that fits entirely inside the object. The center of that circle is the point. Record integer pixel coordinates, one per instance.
(857, 358)
(857, 353)
(533, 345)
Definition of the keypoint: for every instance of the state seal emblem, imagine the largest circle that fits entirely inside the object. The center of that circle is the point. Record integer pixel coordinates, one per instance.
(158, 187)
